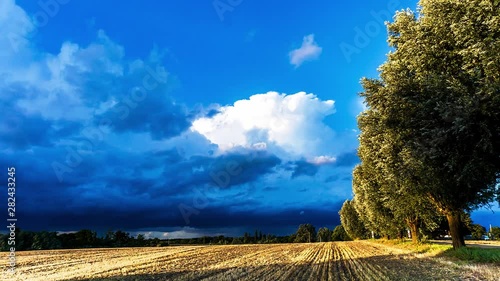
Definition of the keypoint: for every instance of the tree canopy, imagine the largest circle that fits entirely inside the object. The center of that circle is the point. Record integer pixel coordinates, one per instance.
(351, 221)
(432, 125)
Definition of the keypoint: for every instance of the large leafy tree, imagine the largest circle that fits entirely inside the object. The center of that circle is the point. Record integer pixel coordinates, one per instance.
(369, 204)
(305, 234)
(339, 234)
(390, 199)
(324, 234)
(438, 95)
(350, 220)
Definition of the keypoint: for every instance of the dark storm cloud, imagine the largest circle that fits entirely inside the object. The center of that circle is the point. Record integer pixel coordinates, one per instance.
(21, 130)
(302, 168)
(143, 104)
(320, 215)
(222, 171)
(160, 117)
(156, 216)
(115, 188)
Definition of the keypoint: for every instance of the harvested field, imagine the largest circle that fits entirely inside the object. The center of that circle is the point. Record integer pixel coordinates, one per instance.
(359, 260)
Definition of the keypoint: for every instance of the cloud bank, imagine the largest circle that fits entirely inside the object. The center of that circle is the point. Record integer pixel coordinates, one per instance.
(99, 142)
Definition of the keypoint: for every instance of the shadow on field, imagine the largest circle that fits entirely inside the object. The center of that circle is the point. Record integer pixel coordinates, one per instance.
(392, 267)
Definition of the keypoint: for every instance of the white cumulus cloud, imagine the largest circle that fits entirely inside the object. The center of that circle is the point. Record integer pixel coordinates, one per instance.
(293, 123)
(308, 51)
(323, 159)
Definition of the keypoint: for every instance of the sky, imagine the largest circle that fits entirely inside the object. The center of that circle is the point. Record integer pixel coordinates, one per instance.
(186, 118)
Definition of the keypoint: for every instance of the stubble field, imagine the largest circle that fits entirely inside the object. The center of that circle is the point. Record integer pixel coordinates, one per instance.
(358, 260)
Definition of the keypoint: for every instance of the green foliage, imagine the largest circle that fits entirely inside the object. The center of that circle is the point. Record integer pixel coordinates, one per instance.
(305, 234)
(370, 201)
(324, 235)
(121, 238)
(246, 238)
(24, 239)
(140, 237)
(339, 234)
(469, 254)
(85, 238)
(495, 233)
(46, 240)
(430, 134)
(477, 231)
(351, 222)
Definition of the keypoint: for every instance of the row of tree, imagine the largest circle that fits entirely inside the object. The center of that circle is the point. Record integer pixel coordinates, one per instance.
(43, 240)
(430, 136)
(30, 240)
(361, 226)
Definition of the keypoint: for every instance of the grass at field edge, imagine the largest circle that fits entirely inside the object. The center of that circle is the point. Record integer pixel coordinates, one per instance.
(465, 254)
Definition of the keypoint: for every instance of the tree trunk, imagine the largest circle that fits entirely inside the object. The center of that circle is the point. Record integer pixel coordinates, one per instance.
(457, 238)
(414, 232)
(413, 225)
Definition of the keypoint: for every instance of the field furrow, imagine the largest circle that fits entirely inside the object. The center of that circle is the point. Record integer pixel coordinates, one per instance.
(358, 260)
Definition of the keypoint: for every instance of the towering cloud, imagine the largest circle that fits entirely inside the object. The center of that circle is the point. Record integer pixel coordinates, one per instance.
(293, 123)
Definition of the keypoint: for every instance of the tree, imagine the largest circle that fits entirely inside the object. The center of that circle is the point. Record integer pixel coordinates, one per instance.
(478, 231)
(339, 234)
(110, 238)
(141, 240)
(351, 222)
(68, 240)
(86, 238)
(46, 240)
(438, 96)
(246, 238)
(121, 238)
(24, 239)
(305, 234)
(385, 194)
(324, 234)
(371, 201)
(495, 233)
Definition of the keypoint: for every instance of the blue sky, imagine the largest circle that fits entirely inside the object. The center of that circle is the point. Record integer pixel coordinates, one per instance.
(186, 117)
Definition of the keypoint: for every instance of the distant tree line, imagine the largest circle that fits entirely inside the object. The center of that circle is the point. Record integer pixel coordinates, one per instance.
(44, 240)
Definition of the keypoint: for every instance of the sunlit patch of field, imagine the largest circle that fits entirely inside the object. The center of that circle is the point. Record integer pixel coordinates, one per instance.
(358, 260)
